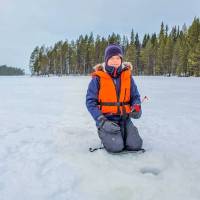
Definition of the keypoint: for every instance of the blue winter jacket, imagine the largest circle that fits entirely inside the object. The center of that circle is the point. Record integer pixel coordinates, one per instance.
(93, 90)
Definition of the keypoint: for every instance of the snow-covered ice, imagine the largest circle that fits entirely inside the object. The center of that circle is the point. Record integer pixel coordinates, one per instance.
(46, 130)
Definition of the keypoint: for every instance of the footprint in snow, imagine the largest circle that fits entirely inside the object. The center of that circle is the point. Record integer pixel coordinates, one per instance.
(149, 170)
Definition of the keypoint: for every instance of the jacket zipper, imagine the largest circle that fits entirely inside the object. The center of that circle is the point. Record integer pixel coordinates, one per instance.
(118, 107)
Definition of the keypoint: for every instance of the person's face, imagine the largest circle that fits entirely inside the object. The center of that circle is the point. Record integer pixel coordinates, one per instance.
(114, 61)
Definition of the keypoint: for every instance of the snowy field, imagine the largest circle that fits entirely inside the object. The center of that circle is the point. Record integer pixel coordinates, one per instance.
(46, 130)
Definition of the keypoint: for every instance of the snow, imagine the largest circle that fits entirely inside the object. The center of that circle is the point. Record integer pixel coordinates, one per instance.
(46, 130)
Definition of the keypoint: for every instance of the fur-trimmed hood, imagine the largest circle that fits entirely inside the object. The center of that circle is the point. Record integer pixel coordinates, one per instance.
(101, 66)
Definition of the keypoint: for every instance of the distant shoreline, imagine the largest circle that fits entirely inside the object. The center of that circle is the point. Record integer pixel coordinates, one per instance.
(11, 71)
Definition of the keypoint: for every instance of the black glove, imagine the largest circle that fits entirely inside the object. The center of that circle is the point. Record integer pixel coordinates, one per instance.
(136, 112)
(108, 126)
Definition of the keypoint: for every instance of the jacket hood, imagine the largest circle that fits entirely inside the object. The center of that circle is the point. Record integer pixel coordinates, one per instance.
(101, 66)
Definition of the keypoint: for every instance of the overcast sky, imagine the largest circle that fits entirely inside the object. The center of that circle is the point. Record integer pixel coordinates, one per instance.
(25, 24)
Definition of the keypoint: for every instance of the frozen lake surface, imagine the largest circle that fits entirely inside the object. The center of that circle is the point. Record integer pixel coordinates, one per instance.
(46, 130)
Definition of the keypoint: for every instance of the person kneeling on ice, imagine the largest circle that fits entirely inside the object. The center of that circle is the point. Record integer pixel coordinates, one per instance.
(112, 99)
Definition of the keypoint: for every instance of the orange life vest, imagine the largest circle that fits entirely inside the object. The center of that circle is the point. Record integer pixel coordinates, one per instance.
(108, 100)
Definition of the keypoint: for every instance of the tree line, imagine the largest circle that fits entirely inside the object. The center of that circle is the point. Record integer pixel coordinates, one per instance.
(170, 52)
(10, 71)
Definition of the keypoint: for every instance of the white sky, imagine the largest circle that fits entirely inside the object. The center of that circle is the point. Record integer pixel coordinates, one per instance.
(25, 24)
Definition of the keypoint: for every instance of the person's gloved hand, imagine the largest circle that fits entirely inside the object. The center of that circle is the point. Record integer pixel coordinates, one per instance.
(106, 125)
(136, 111)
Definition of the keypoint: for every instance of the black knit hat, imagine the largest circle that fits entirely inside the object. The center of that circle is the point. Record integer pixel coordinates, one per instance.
(113, 50)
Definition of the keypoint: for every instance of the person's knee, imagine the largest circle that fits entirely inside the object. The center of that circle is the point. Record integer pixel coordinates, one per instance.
(115, 148)
(138, 144)
(111, 142)
(133, 140)
(114, 144)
